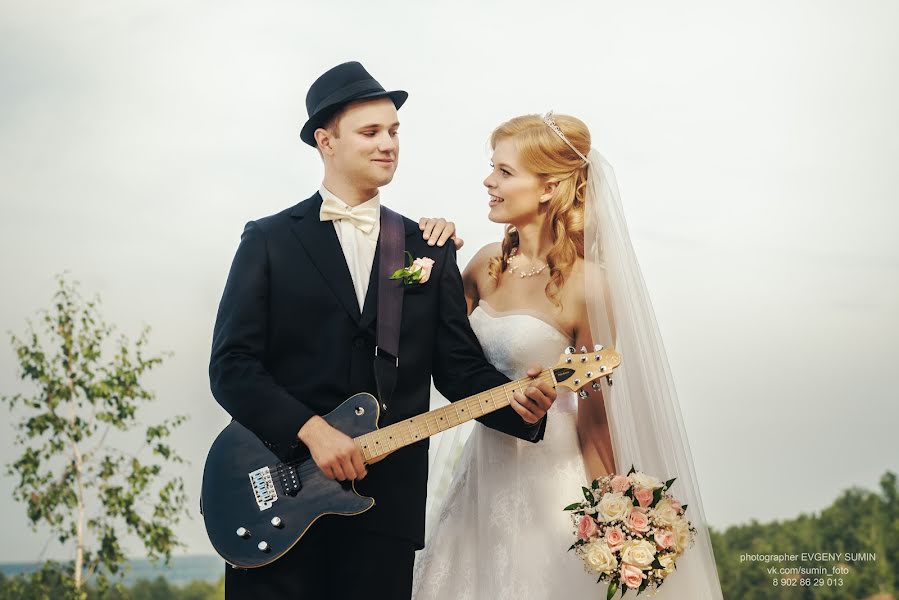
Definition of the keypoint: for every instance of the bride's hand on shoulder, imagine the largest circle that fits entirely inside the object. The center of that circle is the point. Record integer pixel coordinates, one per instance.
(437, 231)
(536, 399)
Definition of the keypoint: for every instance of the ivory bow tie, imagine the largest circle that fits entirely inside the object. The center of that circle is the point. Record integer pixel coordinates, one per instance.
(363, 218)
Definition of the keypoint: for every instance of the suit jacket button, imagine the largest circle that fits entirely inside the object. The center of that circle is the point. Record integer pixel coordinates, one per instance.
(384, 406)
(358, 342)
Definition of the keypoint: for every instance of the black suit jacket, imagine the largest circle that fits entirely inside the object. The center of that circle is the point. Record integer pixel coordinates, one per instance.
(290, 342)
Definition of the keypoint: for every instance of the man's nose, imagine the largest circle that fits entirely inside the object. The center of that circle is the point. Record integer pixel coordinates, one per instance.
(386, 143)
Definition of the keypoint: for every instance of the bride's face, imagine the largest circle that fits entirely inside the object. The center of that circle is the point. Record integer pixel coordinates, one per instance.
(514, 192)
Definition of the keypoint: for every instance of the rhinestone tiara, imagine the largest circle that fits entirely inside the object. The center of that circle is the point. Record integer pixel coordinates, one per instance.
(548, 119)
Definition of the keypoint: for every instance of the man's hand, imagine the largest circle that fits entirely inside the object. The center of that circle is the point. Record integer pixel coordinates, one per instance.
(335, 453)
(536, 400)
(437, 231)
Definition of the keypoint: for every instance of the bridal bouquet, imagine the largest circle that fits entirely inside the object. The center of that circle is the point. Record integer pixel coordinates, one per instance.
(630, 530)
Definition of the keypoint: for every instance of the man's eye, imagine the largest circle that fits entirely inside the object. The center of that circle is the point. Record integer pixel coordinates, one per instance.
(394, 133)
(506, 172)
(368, 133)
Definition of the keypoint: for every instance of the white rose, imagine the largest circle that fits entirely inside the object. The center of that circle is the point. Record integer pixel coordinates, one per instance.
(667, 561)
(639, 553)
(614, 506)
(640, 479)
(599, 557)
(682, 534)
(664, 513)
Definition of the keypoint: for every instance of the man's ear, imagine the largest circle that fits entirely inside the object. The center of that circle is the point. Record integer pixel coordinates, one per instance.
(323, 139)
(548, 190)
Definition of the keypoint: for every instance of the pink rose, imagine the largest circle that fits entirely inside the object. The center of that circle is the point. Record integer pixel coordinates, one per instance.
(643, 496)
(638, 521)
(425, 265)
(620, 483)
(631, 575)
(586, 527)
(664, 539)
(614, 538)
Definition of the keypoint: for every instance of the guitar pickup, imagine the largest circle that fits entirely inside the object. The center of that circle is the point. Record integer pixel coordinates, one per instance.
(290, 479)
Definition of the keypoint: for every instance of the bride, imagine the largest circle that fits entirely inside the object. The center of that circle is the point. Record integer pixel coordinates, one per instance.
(565, 274)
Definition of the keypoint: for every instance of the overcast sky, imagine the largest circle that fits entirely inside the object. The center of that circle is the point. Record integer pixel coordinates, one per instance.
(755, 146)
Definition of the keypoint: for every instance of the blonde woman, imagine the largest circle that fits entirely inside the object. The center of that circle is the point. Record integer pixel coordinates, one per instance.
(564, 274)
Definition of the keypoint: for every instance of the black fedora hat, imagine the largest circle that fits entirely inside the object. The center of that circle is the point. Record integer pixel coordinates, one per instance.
(338, 87)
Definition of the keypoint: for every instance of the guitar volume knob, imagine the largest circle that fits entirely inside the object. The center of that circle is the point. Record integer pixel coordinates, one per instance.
(277, 522)
(243, 532)
(263, 546)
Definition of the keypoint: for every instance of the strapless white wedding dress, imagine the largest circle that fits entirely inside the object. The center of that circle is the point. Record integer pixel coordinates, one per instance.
(502, 533)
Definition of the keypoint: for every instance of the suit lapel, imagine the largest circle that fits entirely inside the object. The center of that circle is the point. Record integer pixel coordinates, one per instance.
(320, 241)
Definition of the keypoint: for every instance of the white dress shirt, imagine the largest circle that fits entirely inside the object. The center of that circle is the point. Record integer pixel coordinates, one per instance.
(358, 247)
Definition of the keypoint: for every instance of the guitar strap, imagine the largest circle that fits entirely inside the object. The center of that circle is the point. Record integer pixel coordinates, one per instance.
(390, 304)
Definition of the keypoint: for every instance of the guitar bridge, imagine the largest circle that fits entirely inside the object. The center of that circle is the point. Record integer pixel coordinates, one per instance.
(263, 488)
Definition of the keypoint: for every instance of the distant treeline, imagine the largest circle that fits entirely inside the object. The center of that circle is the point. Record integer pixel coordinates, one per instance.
(860, 523)
(54, 582)
(856, 540)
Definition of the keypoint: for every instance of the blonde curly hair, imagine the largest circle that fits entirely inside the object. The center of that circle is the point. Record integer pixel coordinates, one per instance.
(542, 152)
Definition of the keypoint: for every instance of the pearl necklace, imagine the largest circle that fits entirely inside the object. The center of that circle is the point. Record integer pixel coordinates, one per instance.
(523, 274)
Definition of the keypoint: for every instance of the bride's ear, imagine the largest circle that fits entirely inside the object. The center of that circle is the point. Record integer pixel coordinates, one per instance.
(548, 191)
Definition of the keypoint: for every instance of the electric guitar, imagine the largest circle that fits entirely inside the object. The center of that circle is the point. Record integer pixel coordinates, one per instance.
(256, 508)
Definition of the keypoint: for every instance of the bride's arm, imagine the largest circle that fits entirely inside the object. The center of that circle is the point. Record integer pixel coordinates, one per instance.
(592, 419)
(475, 272)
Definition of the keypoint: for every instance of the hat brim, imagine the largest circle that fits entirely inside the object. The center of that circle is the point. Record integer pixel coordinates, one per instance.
(307, 133)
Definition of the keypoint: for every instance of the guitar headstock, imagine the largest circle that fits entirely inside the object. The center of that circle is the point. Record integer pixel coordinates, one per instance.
(576, 369)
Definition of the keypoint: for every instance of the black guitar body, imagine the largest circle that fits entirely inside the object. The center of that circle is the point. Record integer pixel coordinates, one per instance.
(256, 508)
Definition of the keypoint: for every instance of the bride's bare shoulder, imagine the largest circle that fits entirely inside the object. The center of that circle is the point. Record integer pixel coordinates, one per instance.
(476, 269)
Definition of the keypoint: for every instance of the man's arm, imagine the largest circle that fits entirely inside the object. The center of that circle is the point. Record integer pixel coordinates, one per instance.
(237, 375)
(460, 368)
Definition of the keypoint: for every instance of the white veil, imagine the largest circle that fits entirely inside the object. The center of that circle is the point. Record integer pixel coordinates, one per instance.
(644, 415)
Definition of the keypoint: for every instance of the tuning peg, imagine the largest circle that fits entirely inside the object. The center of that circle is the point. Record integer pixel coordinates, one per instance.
(596, 386)
(609, 379)
(569, 350)
(597, 348)
(583, 349)
(583, 393)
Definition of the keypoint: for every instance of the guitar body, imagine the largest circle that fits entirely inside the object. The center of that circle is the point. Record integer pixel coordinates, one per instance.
(249, 498)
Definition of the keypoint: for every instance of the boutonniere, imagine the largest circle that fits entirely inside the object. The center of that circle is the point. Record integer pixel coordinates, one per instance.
(417, 271)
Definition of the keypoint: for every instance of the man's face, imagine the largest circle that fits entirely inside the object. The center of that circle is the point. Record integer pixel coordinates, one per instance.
(366, 148)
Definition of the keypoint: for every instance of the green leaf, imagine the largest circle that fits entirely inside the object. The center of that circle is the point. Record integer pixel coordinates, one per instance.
(595, 484)
(397, 274)
(669, 482)
(613, 587)
(633, 470)
(588, 494)
(574, 506)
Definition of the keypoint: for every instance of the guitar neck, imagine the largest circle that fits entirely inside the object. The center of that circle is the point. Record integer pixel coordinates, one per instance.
(381, 442)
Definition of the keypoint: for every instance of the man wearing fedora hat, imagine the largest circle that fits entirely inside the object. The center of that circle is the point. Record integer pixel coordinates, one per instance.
(295, 336)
